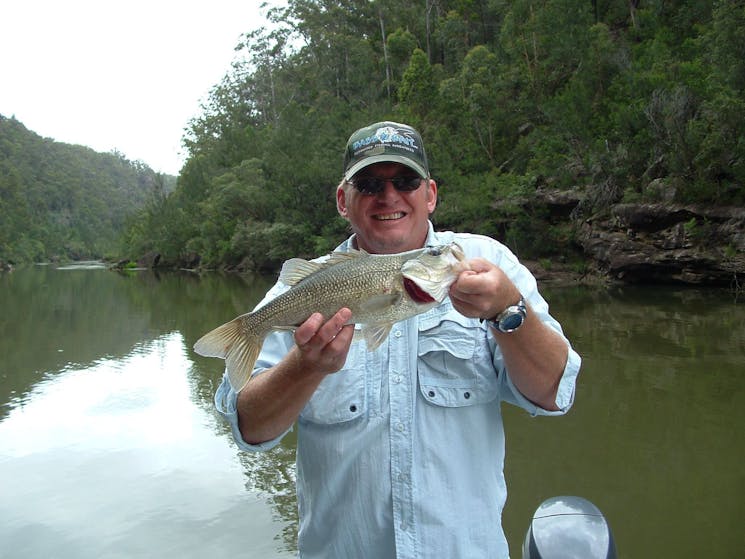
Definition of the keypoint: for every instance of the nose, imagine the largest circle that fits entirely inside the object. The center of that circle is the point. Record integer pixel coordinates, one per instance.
(389, 190)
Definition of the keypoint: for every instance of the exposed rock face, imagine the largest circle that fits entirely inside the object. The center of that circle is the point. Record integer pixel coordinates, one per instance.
(149, 260)
(190, 260)
(646, 243)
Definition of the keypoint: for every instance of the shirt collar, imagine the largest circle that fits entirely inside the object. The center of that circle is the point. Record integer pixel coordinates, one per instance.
(351, 242)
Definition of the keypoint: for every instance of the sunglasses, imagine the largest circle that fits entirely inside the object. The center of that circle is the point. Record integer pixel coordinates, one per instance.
(375, 185)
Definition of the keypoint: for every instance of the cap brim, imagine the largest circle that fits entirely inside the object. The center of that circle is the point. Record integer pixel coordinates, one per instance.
(385, 158)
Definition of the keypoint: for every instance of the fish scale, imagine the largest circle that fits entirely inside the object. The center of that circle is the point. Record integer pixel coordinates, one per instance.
(335, 287)
(380, 290)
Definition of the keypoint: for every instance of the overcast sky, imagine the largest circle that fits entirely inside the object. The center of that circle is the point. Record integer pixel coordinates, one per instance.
(125, 75)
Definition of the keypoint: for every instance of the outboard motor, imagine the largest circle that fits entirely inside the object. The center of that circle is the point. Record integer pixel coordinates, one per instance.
(568, 528)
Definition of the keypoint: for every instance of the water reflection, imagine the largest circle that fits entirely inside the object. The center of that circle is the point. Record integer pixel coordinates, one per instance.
(653, 439)
(110, 447)
(272, 475)
(54, 320)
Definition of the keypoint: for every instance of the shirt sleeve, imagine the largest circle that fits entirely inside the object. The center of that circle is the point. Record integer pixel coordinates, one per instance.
(225, 403)
(527, 285)
(564, 396)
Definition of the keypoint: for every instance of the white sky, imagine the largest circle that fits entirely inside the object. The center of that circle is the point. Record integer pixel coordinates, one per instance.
(125, 75)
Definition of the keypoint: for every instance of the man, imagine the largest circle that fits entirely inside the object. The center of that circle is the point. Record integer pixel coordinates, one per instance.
(400, 451)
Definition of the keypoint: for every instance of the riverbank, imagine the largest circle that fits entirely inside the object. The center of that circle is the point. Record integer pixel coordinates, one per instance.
(643, 243)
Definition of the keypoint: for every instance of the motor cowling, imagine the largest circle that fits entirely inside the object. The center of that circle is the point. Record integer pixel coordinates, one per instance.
(568, 528)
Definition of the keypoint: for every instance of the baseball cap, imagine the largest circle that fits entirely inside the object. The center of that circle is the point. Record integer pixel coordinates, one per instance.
(385, 142)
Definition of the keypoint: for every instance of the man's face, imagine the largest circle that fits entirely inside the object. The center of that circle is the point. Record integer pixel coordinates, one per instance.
(389, 221)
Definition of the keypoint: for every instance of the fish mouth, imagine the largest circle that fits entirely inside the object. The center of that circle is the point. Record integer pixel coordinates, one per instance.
(389, 216)
(417, 294)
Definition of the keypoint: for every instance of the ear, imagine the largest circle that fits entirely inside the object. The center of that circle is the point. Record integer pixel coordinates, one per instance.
(431, 195)
(341, 201)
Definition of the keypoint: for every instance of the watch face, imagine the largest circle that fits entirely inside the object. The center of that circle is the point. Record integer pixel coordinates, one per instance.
(511, 322)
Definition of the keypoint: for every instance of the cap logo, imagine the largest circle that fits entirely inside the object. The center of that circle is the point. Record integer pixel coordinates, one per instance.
(385, 142)
(385, 135)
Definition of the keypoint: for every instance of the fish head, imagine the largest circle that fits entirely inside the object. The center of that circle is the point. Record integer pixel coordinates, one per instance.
(428, 277)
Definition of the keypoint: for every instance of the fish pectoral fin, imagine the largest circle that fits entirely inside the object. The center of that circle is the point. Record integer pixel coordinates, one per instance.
(375, 334)
(378, 303)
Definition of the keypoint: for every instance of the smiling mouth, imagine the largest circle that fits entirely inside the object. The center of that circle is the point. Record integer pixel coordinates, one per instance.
(389, 217)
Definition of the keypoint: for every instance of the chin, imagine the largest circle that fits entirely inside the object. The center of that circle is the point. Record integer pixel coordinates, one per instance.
(392, 245)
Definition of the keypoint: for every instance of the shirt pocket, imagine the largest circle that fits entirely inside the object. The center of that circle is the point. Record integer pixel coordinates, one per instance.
(454, 363)
(341, 396)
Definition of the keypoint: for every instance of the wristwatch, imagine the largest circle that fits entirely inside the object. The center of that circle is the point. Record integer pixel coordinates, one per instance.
(511, 318)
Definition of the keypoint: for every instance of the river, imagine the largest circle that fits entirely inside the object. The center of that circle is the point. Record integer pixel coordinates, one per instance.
(110, 447)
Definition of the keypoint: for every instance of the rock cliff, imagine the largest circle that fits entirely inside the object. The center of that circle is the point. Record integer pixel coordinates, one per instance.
(659, 242)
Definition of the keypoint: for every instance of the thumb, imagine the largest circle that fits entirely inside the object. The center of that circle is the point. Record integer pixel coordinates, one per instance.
(480, 265)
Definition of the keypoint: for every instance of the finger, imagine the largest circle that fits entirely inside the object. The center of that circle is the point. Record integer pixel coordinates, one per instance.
(315, 330)
(341, 342)
(305, 332)
(337, 322)
(333, 326)
(468, 307)
(473, 283)
(480, 265)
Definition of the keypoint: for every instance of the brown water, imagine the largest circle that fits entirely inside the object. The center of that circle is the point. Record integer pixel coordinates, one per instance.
(109, 445)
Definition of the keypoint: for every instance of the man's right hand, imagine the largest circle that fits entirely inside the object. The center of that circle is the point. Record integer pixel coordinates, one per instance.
(322, 347)
(271, 402)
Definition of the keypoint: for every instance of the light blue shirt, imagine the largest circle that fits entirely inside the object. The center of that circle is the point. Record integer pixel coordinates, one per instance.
(401, 453)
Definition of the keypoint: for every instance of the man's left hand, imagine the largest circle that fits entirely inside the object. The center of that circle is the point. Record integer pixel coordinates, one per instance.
(482, 290)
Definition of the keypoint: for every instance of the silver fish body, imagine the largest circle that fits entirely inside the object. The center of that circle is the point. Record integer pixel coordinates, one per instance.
(380, 290)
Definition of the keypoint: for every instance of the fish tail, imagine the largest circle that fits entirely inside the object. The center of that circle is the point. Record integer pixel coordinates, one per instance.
(232, 343)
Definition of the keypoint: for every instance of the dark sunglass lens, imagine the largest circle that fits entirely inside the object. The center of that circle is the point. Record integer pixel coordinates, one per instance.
(368, 185)
(376, 185)
(407, 184)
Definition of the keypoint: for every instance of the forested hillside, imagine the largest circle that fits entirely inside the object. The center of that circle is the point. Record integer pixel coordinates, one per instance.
(65, 201)
(617, 100)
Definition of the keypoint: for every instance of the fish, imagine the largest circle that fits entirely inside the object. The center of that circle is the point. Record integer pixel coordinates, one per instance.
(379, 289)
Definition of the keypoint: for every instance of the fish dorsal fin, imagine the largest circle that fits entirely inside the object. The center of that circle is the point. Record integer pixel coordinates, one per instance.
(295, 270)
(375, 334)
(338, 257)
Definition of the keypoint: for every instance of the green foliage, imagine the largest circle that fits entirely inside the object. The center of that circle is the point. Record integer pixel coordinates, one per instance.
(266, 245)
(416, 92)
(63, 201)
(485, 203)
(626, 101)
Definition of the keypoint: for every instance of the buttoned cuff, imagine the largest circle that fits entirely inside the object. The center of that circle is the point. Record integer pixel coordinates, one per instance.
(226, 404)
(565, 393)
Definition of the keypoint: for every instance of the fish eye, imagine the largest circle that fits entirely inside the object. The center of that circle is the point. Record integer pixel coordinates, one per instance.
(434, 251)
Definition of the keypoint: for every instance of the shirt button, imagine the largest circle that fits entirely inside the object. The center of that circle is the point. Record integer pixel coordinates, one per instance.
(397, 333)
(401, 427)
(397, 379)
(467, 395)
